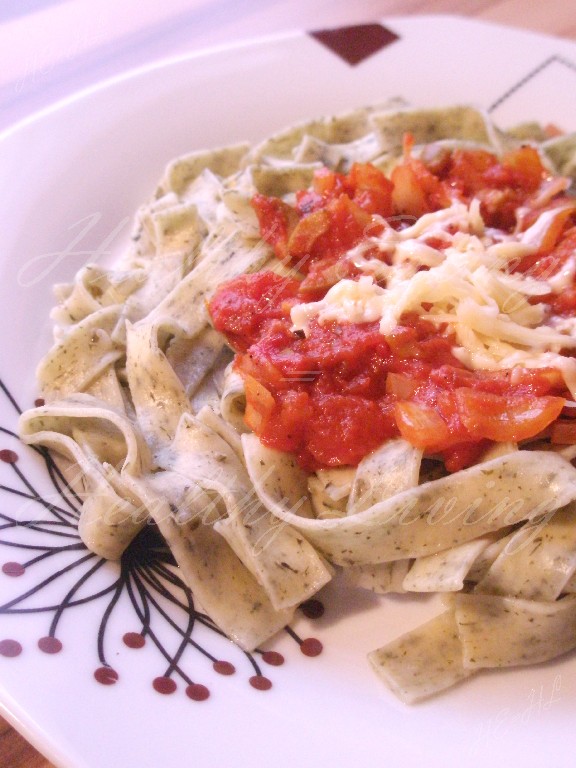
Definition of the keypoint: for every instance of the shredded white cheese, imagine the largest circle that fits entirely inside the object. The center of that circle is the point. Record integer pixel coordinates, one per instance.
(465, 284)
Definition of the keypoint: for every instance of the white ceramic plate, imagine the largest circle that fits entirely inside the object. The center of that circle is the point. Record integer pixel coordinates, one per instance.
(71, 178)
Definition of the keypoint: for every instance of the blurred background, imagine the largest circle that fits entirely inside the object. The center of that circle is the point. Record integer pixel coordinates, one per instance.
(52, 48)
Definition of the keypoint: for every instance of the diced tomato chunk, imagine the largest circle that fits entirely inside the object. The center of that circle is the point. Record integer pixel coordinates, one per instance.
(306, 233)
(502, 418)
(400, 386)
(335, 394)
(372, 190)
(409, 197)
(421, 425)
(463, 455)
(526, 166)
(286, 426)
(343, 429)
(329, 184)
(277, 219)
(243, 307)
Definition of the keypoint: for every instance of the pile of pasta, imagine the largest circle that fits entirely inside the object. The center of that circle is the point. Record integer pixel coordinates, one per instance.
(142, 400)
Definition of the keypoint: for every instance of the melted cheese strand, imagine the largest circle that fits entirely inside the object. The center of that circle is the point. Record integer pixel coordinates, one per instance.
(465, 285)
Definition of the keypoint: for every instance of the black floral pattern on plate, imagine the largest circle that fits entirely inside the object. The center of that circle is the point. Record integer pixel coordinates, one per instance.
(40, 549)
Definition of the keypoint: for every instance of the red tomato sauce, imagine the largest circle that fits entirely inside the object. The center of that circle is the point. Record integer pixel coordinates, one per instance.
(336, 394)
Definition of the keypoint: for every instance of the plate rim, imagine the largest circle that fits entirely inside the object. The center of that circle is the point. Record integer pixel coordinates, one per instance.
(11, 710)
(164, 62)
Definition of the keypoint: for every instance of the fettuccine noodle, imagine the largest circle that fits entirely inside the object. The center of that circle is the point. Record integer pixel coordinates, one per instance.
(142, 399)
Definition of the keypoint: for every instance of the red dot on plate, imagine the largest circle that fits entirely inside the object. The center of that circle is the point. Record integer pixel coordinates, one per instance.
(224, 667)
(134, 640)
(311, 647)
(13, 569)
(164, 685)
(106, 675)
(39, 402)
(273, 658)
(10, 648)
(260, 682)
(10, 457)
(197, 692)
(49, 644)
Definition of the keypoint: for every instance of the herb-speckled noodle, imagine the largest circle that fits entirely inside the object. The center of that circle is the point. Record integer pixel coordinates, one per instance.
(424, 520)
(142, 400)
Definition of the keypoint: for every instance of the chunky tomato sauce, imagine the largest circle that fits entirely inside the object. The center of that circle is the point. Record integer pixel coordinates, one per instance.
(337, 393)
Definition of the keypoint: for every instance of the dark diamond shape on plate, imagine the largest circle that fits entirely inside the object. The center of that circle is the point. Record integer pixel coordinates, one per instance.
(356, 43)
